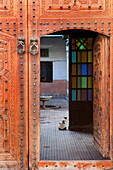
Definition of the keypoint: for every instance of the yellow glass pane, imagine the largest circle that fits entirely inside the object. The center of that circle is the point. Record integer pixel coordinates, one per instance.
(73, 69)
(90, 56)
(84, 56)
(90, 83)
(79, 56)
(78, 44)
(73, 82)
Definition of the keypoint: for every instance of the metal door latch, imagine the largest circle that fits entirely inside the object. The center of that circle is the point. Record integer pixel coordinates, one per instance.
(34, 46)
(20, 47)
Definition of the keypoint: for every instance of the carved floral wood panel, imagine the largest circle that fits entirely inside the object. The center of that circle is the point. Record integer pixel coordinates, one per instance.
(101, 96)
(13, 92)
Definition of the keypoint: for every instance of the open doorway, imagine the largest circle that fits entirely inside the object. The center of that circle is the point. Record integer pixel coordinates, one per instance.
(77, 141)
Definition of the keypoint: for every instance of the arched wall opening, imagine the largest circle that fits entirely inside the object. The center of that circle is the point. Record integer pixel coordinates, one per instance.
(86, 100)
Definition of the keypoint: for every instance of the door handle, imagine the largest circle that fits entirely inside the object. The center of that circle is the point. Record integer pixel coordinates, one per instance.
(34, 46)
(20, 47)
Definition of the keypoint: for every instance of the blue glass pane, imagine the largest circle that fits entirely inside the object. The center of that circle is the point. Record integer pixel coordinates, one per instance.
(73, 95)
(73, 57)
(90, 95)
(84, 69)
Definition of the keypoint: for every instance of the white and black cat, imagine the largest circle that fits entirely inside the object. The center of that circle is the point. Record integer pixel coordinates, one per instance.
(63, 124)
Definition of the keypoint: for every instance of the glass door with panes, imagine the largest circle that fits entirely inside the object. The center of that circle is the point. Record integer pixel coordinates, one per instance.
(81, 83)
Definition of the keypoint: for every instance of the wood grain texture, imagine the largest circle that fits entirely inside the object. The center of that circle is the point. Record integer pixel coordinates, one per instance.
(13, 117)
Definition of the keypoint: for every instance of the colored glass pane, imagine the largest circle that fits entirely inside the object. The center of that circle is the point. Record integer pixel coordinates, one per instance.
(90, 95)
(84, 95)
(79, 56)
(73, 95)
(90, 56)
(82, 40)
(73, 41)
(73, 56)
(73, 69)
(90, 82)
(78, 95)
(82, 47)
(78, 44)
(84, 82)
(79, 82)
(89, 43)
(73, 82)
(84, 56)
(90, 69)
(73, 47)
(84, 69)
(79, 69)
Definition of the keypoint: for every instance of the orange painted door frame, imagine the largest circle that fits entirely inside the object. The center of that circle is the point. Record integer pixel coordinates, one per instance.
(22, 24)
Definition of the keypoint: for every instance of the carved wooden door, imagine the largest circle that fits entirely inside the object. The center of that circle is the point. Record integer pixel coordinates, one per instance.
(13, 85)
(101, 97)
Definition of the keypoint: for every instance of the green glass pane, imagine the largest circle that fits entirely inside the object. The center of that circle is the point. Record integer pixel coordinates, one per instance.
(78, 95)
(79, 82)
(90, 56)
(82, 40)
(84, 82)
(82, 47)
(73, 56)
(73, 95)
(79, 56)
(79, 69)
(90, 82)
(73, 82)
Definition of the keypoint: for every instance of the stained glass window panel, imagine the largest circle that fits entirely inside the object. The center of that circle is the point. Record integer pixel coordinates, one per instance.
(73, 56)
(79, 56)
(89, 43)
(90, 82)
(90, 56)
(84, 82)
(90, 69)
(73, 82)
(84, 56)
(73, 95)
(79, 82)
(82, 47)
(73, 40)
(82, 40)
(78, 95)
(73, 47)
(90, 95)
(73, 69)
(84, 69)
(79, 69)
(84, 95)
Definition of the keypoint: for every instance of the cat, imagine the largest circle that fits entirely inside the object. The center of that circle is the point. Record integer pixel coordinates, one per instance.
(63, 124)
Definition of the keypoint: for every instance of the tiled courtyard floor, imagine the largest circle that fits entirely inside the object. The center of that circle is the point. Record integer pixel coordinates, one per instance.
(63, 145)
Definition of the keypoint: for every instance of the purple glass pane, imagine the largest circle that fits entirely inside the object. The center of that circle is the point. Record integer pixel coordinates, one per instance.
(84, 95)
(90, 95)
(90, 69)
